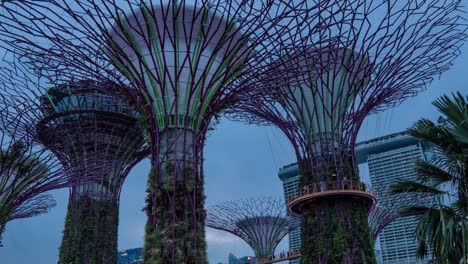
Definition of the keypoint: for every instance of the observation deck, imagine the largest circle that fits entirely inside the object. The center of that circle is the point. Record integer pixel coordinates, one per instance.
(331, 189)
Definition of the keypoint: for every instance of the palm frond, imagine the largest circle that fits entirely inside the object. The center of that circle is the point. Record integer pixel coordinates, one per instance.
(413, 210)
(422, 250)
(442, 229)
(456, 111)
(460, 206)
(437, 136)
(438, 228)
(451, 164)
(411, 186)
(428, 172)
(428, 131)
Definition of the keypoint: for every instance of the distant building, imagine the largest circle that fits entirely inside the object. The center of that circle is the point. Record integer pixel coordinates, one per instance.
(244, 260)
(390, 158)
(130, 256)
(289, 175)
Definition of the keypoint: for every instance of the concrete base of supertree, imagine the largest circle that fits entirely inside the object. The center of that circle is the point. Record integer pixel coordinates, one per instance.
(175, 229)
(91, 232)
(335, 231)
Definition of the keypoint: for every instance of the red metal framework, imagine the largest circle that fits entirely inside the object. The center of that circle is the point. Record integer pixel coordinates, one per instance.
(260, 222)
(86, 127)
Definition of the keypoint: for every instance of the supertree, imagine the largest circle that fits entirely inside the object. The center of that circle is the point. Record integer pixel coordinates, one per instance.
(261, 222)
(40, 204)
(386, 210)
(96, 135)
(34, 206)
(180, 59)
(379, 218)
(372, 56)
(26, 173)
(383, 51)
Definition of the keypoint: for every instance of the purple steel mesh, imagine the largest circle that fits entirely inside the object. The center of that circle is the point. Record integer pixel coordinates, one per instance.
(367, 56)
(260, 222)
(387, 208)
(363, 55)
(180, 60)
(94, 133)
(371, 56)
(37, 205)
(26, 171)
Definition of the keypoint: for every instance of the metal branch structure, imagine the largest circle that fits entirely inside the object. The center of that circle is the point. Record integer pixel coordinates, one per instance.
(96, 135)
(368, 56)
(261, 222)
(179, 57)
(386, 210)
(379, 218)
(26, 173)
(37, 205)
(186, 63)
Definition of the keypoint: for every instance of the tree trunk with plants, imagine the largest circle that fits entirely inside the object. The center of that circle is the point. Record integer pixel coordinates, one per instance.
(173, 218)
(335, 229)
(91, 232)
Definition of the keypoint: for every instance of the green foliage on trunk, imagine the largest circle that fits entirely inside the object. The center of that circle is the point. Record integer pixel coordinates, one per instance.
(337, 231)
(334, 230)
(172, 236)
(321, 170)
(91, 232)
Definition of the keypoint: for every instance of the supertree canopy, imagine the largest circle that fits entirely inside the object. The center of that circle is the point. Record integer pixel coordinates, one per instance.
(40, 204)
(260, 222)
(86, 127)
(179, 58)
(26, 173)
(96, 135)
(386, 210)
(186, 63)
(373, 55)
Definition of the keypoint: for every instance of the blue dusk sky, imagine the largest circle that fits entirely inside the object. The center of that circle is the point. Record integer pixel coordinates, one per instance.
(241, 161)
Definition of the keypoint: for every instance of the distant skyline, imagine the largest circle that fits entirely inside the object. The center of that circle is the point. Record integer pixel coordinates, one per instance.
(241, 161)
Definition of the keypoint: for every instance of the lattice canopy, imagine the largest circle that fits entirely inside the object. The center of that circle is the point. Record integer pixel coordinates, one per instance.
(26, 172)
(85, 127)
(260, 222)
(182, 55)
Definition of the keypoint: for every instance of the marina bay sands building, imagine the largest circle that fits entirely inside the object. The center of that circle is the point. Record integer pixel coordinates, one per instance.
(384, 160)
(289, 175)
(389, 158)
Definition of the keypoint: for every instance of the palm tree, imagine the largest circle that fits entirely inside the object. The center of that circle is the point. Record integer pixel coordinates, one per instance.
(443, 225)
